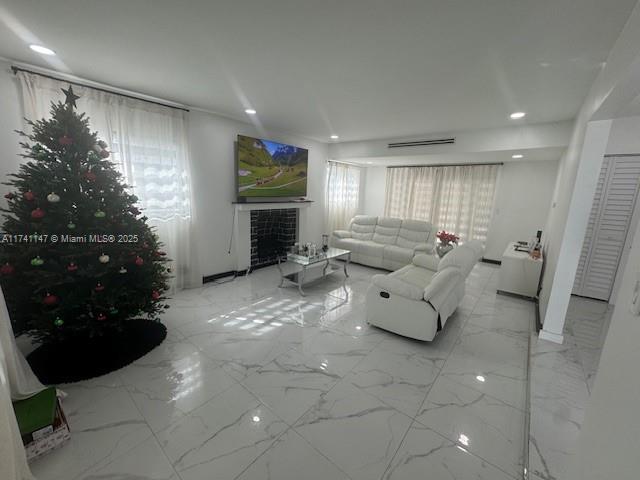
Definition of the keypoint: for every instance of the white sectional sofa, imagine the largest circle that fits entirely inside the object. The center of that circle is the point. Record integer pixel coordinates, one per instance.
(385, 242)
(417, 300)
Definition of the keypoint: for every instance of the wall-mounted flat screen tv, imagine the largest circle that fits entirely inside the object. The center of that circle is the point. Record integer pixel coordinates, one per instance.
(270, 169)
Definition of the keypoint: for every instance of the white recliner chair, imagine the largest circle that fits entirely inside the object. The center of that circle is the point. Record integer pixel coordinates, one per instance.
(417, 300)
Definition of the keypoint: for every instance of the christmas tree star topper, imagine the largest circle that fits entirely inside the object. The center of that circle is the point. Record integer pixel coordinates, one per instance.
(71, 97)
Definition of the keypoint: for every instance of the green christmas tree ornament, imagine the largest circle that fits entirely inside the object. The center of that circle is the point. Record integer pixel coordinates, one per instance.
(99, 214)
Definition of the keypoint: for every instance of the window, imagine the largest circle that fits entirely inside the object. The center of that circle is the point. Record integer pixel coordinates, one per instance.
(342, 195)
(457, 198)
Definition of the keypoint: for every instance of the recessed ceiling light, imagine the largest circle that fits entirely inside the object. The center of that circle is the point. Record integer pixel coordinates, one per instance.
(517, 155)
(250, 111)
(517, 115)
(334, 137)
(42, 50)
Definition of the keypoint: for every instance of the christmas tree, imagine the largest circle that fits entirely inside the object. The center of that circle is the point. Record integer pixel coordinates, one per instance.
(77, 257)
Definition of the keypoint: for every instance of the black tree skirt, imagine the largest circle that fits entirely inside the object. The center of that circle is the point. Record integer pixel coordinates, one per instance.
(81, 359)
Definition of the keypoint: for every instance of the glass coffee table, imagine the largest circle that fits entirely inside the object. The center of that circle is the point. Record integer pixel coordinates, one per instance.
(306, 263)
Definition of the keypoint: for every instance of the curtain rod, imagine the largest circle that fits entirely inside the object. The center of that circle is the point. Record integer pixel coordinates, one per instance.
(447, 165)
(346, 163)
(19, 69)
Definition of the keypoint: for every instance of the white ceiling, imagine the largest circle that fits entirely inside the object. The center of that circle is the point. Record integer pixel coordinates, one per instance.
(359, 68)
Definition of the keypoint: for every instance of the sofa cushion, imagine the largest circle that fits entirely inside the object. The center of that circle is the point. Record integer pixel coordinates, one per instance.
(370, 248)
(342, 233)
(427, 261)
(345, 243)
(386, 230)
(395, 254)
(363, 226)
(416, 276)
(414, 232)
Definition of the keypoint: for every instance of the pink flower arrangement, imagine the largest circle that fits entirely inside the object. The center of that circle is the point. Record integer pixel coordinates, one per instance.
(447, 238)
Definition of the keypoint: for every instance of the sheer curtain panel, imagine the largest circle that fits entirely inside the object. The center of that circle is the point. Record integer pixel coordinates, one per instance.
(458, 199)
(342, 194)
(148, 144)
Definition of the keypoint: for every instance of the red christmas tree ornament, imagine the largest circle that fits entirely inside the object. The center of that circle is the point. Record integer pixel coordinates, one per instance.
(99, 287)
(7, 269)
(37, 213)
(50, 300)
(155, 295)
(72, 267)
(29, 196)
(102, 317)
(90, 176)
(65, 140)
(10, 196)
(139, 261)
(160, 253)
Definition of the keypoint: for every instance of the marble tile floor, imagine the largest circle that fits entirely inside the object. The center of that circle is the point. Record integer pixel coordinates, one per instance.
(561, 380)
(257, 382)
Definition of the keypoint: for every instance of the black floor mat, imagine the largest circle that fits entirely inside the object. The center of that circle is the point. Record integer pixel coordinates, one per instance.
(81, 359)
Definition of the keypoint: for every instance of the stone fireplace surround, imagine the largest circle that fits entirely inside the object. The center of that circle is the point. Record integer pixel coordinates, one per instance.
(242, 227)
(272, 233)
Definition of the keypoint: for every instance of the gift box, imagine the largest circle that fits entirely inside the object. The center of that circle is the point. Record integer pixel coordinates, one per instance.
(42, 423)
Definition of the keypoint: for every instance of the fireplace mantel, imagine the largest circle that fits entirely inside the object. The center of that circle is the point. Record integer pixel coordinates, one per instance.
(247, 207)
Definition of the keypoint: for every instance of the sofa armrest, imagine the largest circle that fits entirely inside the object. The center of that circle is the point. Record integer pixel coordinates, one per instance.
(342, 233)
(441, 285)
(396, 286)
(423, 248)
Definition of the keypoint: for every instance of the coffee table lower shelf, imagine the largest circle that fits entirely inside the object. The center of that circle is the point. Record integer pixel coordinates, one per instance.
(298, 277)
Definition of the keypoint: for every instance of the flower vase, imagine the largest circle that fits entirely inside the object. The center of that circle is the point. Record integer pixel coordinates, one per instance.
(443, 248)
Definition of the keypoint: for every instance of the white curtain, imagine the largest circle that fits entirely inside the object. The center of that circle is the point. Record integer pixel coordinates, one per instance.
(149, 146)
(17, 381)
(342, 194)
(458, 199)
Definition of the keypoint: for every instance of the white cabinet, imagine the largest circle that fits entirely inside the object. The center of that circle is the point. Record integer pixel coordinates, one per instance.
(519, 272)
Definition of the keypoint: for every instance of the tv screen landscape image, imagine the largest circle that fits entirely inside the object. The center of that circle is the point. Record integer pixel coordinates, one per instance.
(270, 169)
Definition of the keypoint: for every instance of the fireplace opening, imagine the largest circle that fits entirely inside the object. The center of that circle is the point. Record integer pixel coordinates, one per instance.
(272, 233)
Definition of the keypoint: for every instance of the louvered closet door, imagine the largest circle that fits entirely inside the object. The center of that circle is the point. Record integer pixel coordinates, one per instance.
(609, 220)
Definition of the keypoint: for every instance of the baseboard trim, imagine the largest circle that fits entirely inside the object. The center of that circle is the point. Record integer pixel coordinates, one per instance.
(538, 320)
(515, 295)
(218, 276)
(489, 260)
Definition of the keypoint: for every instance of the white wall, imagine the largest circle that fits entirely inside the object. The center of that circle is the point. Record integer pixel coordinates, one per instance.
(625, 136)
(523, 198)
(212, 150)
(608, 443)
(574, 193)
(374, 187)
(522, 202)
(211, 141)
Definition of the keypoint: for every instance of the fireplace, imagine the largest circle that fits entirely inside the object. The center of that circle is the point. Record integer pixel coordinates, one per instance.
(272, 232)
